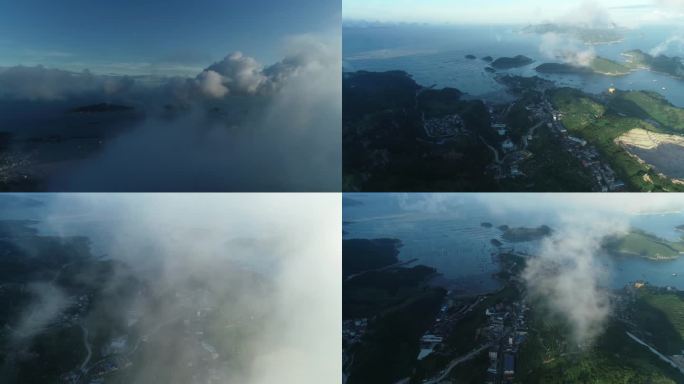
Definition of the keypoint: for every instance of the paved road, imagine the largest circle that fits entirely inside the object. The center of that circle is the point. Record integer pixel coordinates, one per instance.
(660, 355)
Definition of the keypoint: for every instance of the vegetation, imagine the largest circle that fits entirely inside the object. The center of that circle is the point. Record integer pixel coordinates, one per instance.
(598, 65)
(585, 34)
(651, 106)
(643, 244)
(400, 306)
(511, 62)
(600, 125)
(548, 356)
(520, 234)
(385, 144)
(672, 66)
(659, 313)
(608, 67)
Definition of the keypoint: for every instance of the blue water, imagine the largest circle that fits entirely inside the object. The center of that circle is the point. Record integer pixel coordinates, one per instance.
(435, 55)
(450, 238)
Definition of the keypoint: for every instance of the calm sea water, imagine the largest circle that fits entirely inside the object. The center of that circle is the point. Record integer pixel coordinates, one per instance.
(436, 55)
(455, 243)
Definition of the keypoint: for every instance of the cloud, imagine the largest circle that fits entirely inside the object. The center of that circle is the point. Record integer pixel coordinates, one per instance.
(239, 74)
(211, 83)
(259, 272)
(48, 302)
(237, 126)
(589, 14)
(566, 275)
(567, 49)
(663, 47)
(673, 4)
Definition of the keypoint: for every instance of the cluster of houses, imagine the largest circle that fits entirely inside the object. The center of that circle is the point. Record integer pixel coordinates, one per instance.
(505, 325)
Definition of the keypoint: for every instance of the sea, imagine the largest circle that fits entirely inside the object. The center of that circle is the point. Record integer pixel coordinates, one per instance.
(449, 236)
(435, 55)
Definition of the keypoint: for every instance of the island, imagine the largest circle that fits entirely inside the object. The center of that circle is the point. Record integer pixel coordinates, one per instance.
(101, 107)
(637, 132)
(586, 34)
(511, 62)
(598, 65)
(672, 66)
(486, 224)
(522, 234)
(470, 57)
(643, 244)
(488, 59)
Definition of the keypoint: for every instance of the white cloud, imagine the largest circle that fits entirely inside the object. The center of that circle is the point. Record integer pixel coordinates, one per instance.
(211, 84)
(567, 49)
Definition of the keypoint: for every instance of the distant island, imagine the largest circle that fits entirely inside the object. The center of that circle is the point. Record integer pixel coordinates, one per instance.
(471, 57)
(488, 59)
(588, 35)
(486, 224)
(599, 65)
(511, 62)
(643, 244)
(101, 107)
(521, 234)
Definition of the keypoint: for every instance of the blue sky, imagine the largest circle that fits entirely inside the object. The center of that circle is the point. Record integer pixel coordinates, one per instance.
(624, 12)
(154, 37)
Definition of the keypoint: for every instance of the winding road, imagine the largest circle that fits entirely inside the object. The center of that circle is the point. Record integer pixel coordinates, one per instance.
(86, 343)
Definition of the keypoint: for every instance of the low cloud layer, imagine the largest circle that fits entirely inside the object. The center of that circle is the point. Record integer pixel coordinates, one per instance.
(226, 288)
(236, 126)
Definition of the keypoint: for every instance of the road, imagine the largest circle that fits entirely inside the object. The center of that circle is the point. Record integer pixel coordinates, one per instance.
(660, 355)
(496, 153)
(395, 265)
(531, 133)
(458, 361)
(86, 343)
